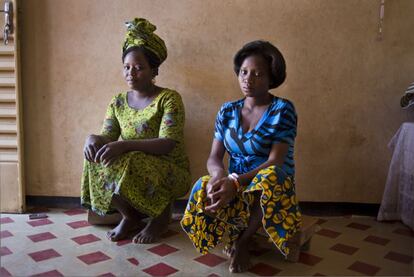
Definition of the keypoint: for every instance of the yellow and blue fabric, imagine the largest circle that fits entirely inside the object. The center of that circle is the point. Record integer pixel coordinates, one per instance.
(275, 185)
(140, 32)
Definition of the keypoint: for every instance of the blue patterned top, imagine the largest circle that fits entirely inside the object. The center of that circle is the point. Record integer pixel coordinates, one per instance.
(249, 150)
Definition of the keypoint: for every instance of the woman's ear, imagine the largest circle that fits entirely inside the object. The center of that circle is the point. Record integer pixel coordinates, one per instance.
(154, 72)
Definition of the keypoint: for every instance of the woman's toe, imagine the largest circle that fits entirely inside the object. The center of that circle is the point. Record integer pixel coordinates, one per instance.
(136, 238)
(109, 234)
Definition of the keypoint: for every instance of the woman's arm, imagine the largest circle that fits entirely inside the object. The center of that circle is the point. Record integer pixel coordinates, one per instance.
(112, 150)
(215, 164)
(276, 157)
(155, 146)
(92, 145)
(215, 167)
(110, 132)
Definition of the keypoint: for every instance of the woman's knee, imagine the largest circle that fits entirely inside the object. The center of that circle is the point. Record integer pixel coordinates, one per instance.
(274, 171)
(200, 183)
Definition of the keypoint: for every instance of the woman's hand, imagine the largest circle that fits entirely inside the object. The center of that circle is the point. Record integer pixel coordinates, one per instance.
(110, 152)
(221, 193)
(213, 180)
(92, 145)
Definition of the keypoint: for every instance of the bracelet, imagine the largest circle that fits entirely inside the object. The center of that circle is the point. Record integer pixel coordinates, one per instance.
(234, 177)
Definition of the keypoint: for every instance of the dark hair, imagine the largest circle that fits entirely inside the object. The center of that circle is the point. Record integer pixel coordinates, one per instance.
(277, 65)
(152, 59)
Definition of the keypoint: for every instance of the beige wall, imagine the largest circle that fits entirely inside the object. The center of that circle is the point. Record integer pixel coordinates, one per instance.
(345, 84)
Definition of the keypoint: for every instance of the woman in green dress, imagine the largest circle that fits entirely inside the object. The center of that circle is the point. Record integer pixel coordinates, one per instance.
(141, 174)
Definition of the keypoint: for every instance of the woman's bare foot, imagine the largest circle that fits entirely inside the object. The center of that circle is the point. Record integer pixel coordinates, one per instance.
(123, 230)
(240, 259)
(229, 249)
(155, 227)
(152, 231)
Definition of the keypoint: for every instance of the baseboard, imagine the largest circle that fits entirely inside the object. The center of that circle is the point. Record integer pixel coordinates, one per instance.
(339, 208)
(308, 208)
(53, 201)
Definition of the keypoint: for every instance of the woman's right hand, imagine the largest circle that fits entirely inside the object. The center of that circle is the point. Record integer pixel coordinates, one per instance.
(223, 191)
(92, 144)
(214, 179)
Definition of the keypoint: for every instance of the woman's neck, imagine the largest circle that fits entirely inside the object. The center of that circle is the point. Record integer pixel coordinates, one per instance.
(251, 102)
(145, 93)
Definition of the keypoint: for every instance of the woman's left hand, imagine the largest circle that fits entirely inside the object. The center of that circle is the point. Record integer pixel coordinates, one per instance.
(222, 192)
(109, 153)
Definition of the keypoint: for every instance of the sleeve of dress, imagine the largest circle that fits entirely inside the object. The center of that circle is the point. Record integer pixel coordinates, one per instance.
(172, 121)
(111, 128)
(218, 127)
(287, 125)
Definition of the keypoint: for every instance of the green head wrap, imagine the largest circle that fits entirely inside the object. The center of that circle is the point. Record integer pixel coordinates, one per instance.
(140, 32)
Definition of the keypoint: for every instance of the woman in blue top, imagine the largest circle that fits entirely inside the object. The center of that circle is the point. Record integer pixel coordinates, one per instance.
(258, 133)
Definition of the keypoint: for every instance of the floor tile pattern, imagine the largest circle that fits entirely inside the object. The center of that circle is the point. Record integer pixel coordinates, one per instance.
(44, 255)
(41, 236)
(65, 244)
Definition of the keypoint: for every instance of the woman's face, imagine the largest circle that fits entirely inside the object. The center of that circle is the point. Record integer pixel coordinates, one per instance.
(137, 72)
(254, 76)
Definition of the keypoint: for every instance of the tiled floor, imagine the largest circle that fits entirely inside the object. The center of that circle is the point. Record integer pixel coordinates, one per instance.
(64, 244)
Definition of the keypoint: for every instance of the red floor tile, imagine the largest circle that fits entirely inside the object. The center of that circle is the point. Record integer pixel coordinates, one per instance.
(364, 268)
(168, 234)
(52, 273)
(404, 231)
(377, 240)
(346, 249)
(4, 272)
(5, 251)
(41, 237)
(93, 258)
(160, 269)
(328, 233)
(358, 226)
(108, 274)
(85, 239)
(398, 257)
(5, 234)
(133, 261)
(210, 260)
(74, 212)
(5, 220)
(123, 242)
(39, 222)
(44, 255)
(309, 259)
(78, 224)
(163, 249)
(263, 269)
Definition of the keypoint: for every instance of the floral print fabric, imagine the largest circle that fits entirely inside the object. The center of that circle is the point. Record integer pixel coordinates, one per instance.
(281, 214)
(148, 182)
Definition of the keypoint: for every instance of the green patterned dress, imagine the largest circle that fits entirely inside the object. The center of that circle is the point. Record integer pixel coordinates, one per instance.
(148, 182)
